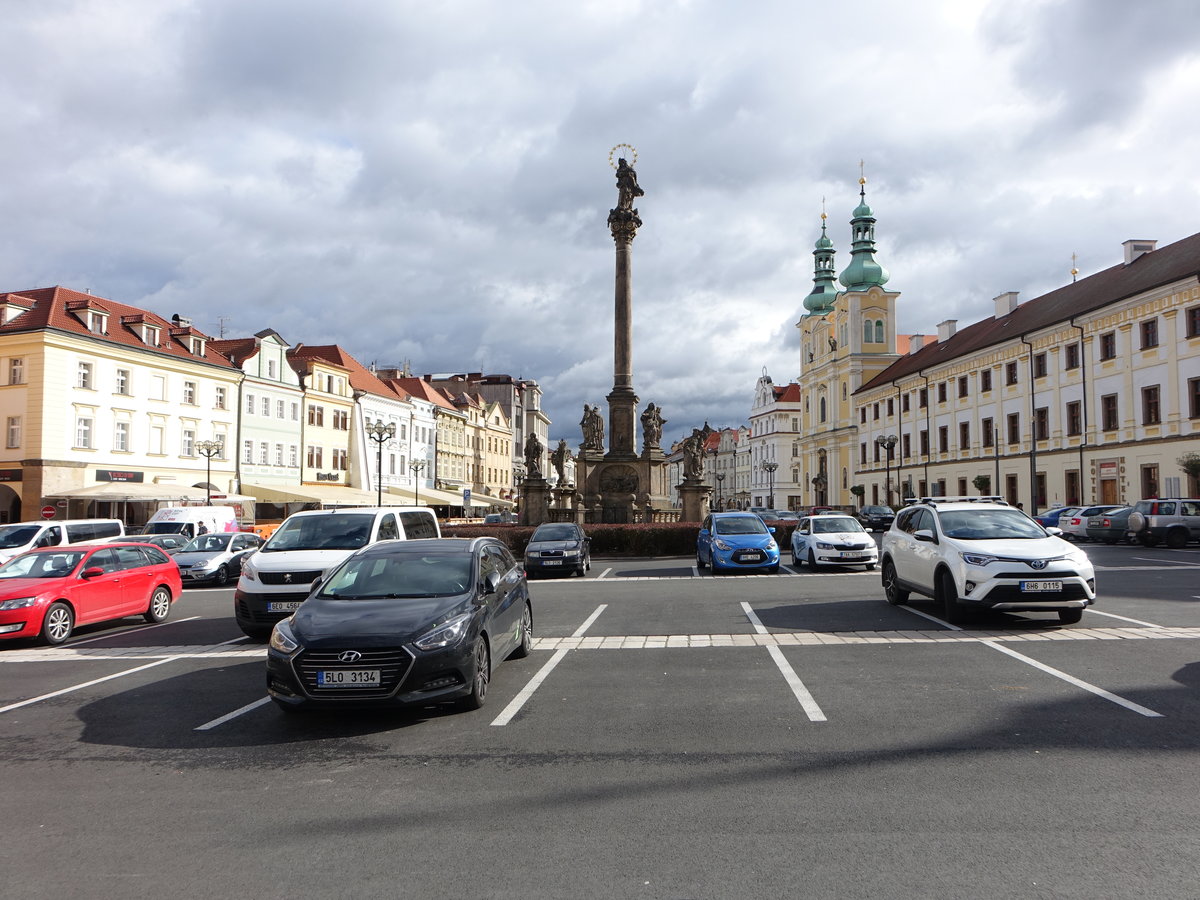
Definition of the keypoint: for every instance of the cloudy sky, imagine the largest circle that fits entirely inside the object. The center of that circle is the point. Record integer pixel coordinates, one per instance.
(429, 182)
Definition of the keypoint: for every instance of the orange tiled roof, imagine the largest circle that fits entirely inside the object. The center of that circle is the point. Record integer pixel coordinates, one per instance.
(53, 308)
(361, 378)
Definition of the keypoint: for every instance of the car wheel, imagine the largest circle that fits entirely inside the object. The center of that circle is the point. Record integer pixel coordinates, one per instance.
(526, 642)
(160, 606)
(773, 569)
(222, 577)
(891, 587)
(948, 595)
(812, 559)
(58, 623)
(480, 678)
(1069, 616)
(1177, 539)
(700, 563)
(795, 559)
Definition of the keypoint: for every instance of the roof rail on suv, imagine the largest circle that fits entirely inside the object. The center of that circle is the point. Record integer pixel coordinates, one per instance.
(934, 501)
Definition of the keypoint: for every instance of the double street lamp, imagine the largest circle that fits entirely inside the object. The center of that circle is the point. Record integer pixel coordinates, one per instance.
(417, 466)
(720, 481)
(888, 443)
(769, 468)
(208, 449)
(380, 434)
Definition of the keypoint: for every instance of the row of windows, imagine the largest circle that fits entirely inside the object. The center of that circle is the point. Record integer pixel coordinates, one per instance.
(85, 437)
(256, 405)
(85, 379)
(1110, 420)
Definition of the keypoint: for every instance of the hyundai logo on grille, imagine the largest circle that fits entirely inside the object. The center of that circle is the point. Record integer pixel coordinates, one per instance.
(349, 656)
(1037, 563)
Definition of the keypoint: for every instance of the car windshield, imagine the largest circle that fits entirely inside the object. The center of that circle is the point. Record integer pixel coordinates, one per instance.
(878, 511)
(835, 525)
(989, 524)
(554, 533)
(339, 531)
(207, 543)
(739, 525)
(407, 575)
(17, 535)
(42, 565)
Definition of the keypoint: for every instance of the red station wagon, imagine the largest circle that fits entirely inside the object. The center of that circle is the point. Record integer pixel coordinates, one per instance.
(46, 593)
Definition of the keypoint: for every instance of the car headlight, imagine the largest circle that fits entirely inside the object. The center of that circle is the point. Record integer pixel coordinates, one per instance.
(977, 559)
(18, 603)
(771, 545)
(821, 545)
(721, 545)
(282, 638)
(447, 634)
(570, 553)
(248, 571)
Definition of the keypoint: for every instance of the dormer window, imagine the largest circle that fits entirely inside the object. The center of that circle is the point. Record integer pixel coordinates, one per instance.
(196, 346)
(97, 322)
(151, 335)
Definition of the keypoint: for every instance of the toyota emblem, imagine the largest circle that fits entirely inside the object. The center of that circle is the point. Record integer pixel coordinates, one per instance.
(1037, 563)
(349, 656)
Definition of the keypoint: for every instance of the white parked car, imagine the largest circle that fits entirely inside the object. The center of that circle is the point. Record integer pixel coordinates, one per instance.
(833, 539)
(1074, 525)
(980, 553)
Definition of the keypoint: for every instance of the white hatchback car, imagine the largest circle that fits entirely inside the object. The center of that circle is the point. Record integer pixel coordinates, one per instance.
(833, 539)
(980, 553)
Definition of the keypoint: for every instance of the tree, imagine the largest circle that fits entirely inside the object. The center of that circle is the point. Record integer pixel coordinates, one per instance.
(1190, 463)
(983, 483)
(858, 490)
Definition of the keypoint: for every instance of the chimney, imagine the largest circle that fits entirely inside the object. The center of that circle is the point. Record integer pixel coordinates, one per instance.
(1006, 303)
(1134, 249)
(181, 321)
(915, 342)
(946, 330)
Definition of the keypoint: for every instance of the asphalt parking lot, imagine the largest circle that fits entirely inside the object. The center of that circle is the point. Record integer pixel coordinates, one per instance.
(674, 734)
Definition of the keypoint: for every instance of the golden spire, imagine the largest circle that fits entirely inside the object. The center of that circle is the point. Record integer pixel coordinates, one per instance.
(862, 172)
(1074, 271)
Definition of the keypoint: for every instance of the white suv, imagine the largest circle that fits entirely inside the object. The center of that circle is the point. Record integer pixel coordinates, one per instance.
(980, 553)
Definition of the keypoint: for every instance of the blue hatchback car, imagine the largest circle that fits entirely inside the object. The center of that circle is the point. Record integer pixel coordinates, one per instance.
(736, 540)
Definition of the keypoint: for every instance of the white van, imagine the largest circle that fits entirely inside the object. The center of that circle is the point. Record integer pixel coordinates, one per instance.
(18, 537)
(187, 520)
(277, 578)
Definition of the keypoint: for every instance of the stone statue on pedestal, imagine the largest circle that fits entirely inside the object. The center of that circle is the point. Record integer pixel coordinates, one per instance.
(559, 459)
(593, 428)
(652, 423)
(533, 456)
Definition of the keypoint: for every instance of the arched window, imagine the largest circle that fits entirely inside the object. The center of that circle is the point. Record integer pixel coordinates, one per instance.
(845, 482)
(868, 332)
(822, 409)
(879, 331)
(844, 395)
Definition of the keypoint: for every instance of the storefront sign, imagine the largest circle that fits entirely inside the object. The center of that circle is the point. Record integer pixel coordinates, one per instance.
(11, 474)
(328, 476)
(116, 475)
(1108, 470)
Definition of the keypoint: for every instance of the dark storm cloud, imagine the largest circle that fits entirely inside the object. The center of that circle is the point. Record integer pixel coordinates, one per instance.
(429, 182)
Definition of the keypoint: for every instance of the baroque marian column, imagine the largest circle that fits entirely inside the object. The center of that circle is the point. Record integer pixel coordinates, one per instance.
(622, 402)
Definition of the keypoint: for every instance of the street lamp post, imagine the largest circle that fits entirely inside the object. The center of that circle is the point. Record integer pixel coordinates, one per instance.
(417, 466)
(720, 482)
(769, 468)
(208, 449)
(888, 443)
(518, 480)
(380, 434)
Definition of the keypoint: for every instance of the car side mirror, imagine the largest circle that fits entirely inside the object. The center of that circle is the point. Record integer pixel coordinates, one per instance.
(1056, 532)
(925, 535)
(771, 528)
(491, 584)
(91, 572)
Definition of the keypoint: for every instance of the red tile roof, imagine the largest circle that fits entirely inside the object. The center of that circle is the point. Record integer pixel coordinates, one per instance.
(421, 389)
(1174, 262)
(52, 308)
(361, 378)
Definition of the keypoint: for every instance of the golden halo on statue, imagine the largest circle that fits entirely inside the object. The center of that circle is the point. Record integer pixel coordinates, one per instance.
(613, 151)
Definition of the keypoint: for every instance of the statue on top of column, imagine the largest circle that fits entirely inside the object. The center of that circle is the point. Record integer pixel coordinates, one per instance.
(627, 185)
(533, 456)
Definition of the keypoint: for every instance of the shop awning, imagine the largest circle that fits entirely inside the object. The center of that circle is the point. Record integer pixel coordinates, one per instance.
(138, 491)
(326, 494)
(488, 500)
(428, 496)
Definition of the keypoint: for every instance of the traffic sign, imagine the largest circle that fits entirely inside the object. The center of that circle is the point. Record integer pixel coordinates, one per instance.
(48, 512)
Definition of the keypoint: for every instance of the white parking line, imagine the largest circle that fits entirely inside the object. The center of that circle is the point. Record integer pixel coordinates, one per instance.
(1178, 562)
(1070, 679)
(233, 715)
(1099, 692)
(526, 692)
(105, 637)
(79, 687)
(1097, 612)
(807, 702)
(604, 573)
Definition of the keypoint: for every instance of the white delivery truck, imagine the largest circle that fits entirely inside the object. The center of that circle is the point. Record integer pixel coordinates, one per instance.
(192, 520)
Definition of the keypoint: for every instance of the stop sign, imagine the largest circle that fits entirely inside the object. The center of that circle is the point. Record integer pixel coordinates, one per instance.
(47, 512)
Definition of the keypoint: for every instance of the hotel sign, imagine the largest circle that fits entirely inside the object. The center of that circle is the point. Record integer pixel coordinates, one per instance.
(117, 475)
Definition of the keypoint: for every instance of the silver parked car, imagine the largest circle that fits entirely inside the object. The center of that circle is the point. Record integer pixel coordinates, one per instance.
(215, 557)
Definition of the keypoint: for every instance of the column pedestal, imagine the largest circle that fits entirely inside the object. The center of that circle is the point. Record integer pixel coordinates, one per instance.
(694, 497)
